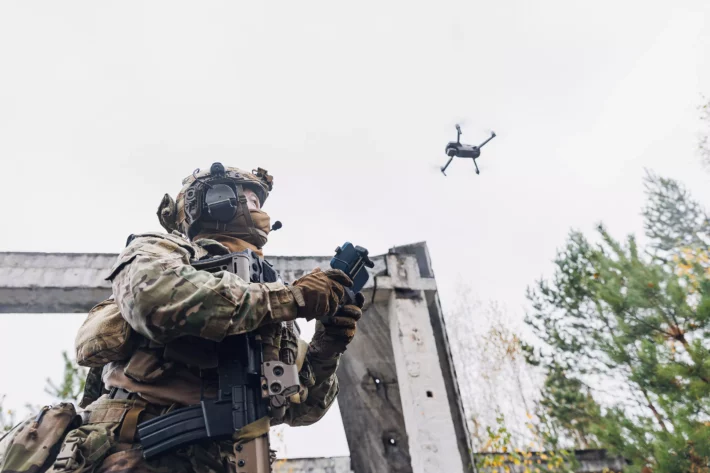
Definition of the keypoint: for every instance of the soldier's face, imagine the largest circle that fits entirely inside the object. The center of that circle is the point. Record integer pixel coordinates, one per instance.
(252, 199)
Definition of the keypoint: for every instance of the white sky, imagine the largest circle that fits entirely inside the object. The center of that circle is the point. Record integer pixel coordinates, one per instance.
(105, 106)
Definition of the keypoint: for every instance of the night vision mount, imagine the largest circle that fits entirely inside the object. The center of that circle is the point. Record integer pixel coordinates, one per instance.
(456, 149)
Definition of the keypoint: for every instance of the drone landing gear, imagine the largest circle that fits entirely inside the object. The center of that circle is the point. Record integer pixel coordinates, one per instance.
(443, 169)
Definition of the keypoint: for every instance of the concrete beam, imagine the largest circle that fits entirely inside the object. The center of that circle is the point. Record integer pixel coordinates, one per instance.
(75, 282)
(53, 282)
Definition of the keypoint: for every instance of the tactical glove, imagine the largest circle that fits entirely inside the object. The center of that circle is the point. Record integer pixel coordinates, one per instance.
(334, 333)
(322, 292)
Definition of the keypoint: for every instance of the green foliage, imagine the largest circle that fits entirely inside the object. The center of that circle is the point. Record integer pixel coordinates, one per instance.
(633, 329)
(7, 417)
(72, 384)
(567, 408)
(672, 219)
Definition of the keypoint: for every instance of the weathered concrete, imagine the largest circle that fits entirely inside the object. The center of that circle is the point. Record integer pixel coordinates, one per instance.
(75, 282)
(370, 389)
(313, 465)
(404, 412)
(425, 405)
(53, 282)
(443, 347)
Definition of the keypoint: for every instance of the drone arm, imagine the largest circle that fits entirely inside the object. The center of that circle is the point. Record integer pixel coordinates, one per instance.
(493, 135)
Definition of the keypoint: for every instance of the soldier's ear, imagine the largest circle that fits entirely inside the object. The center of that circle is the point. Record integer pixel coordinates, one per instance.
(167, 213)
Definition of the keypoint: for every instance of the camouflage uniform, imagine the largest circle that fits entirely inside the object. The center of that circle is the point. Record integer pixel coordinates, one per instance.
(167, 301)
(167, 310)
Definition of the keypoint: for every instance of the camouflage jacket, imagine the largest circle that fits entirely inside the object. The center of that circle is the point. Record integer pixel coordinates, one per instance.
(165, 299)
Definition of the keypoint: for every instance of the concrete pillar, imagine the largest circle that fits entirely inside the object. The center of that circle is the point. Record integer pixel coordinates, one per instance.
(429, 425)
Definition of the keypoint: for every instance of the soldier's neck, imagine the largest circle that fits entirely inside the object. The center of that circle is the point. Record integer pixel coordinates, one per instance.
(234, 244)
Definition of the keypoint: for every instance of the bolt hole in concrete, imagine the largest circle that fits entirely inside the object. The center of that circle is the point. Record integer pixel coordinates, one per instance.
(429, 394)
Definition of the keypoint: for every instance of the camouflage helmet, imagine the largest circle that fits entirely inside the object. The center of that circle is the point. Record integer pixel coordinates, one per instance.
(186, 212)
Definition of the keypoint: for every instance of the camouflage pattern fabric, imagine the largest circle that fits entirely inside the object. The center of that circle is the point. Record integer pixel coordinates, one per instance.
(104, 336)
(162, 297)
(32, 446)
(97, 446)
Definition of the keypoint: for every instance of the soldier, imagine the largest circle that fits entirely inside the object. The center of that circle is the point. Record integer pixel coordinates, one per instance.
(158, 348)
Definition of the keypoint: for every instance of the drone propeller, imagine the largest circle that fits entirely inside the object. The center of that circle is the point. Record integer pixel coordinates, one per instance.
(493, 135)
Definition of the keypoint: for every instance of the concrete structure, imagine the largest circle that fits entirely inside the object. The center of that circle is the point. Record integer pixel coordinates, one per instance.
(313, 465)
(399, 397)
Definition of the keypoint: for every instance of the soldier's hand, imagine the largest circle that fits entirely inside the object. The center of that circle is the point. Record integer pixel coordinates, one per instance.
(322, 292)
(334, 333)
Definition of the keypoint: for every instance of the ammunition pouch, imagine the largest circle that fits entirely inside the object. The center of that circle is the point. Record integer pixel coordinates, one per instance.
(35, 444)
(104, 336)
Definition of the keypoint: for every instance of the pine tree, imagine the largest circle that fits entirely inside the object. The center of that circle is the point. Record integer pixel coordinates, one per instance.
(624, 339)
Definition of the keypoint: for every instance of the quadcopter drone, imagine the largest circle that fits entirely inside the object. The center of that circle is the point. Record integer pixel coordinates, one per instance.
(456, 149)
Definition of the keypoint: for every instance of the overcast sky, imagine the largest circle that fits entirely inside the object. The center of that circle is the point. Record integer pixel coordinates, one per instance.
(105, 106)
